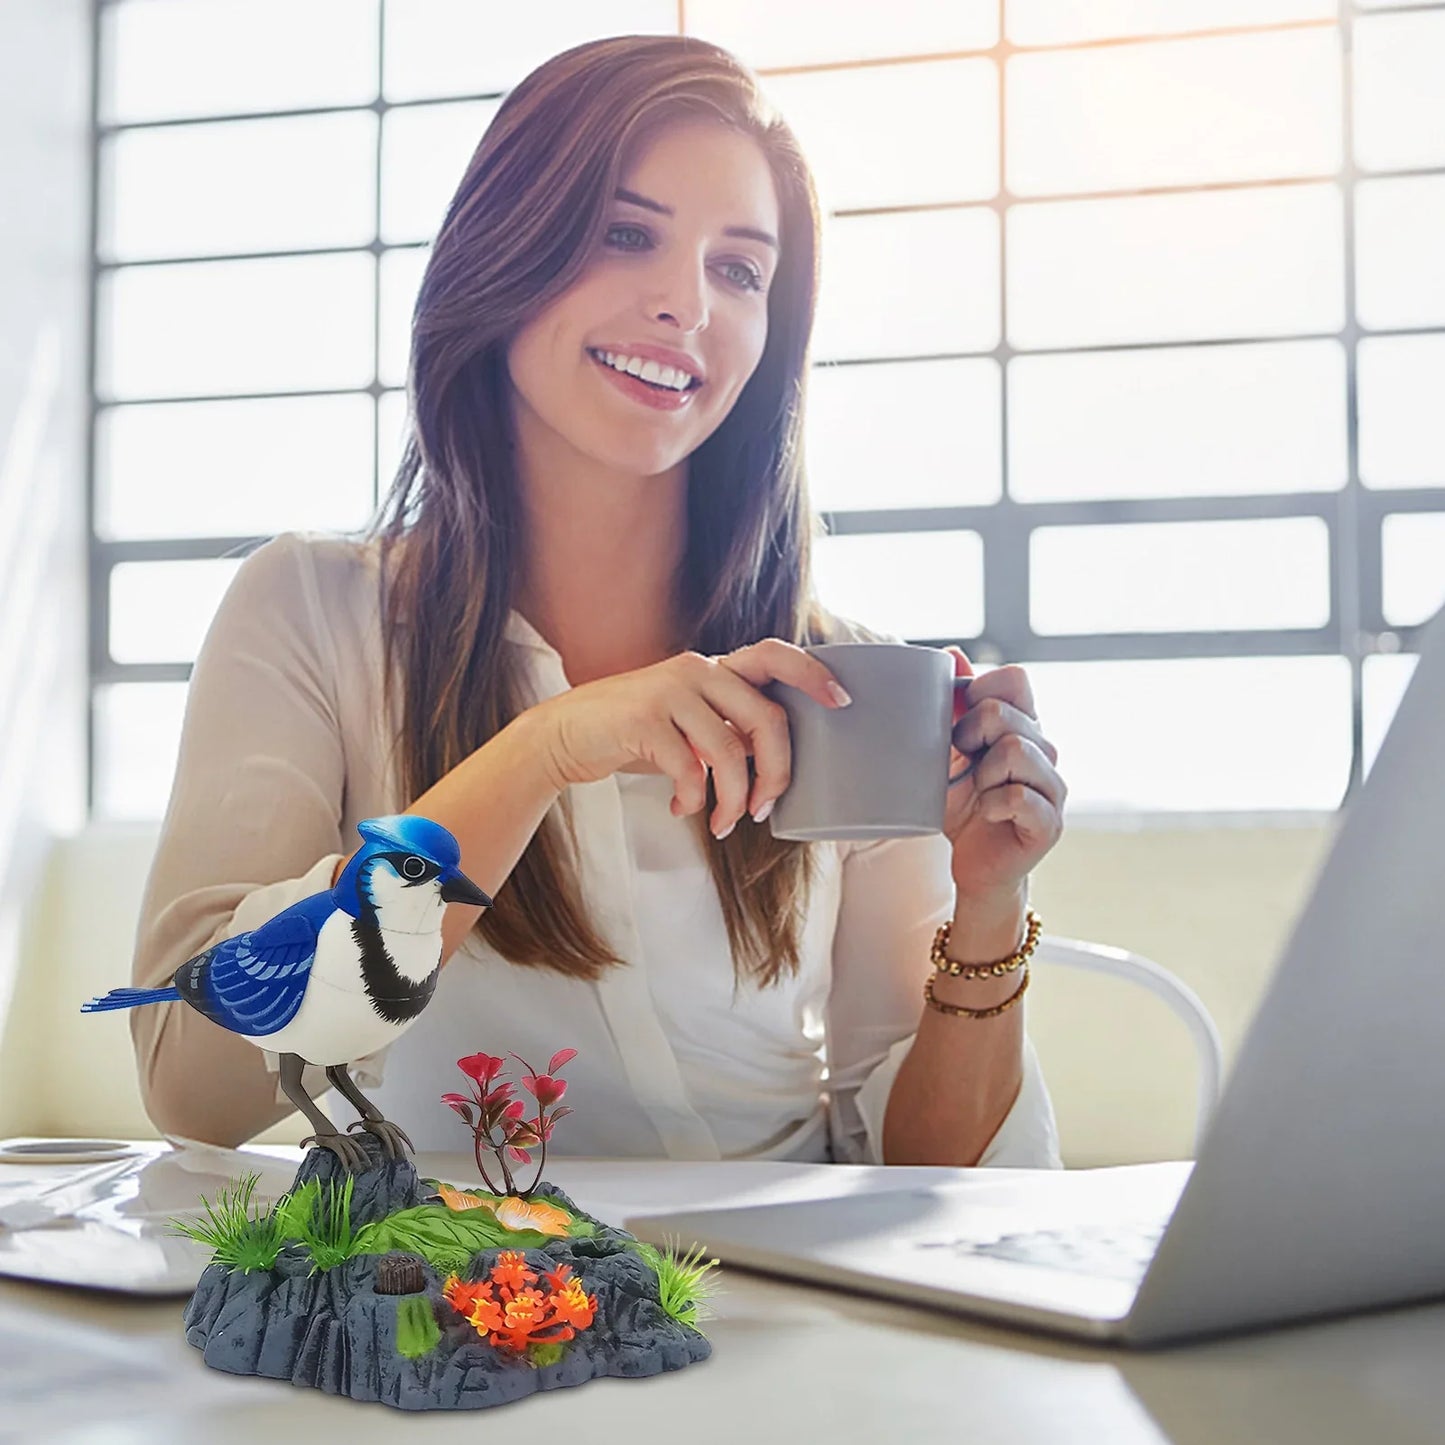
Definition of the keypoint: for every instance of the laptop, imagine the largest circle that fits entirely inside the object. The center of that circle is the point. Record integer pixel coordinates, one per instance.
(1320, 1184)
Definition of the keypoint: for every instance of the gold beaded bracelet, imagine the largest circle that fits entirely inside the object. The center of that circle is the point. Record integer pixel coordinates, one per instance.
(1013, 962)
(959, 1011)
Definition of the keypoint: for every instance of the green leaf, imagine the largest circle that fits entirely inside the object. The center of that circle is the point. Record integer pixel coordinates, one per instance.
(442, 1236)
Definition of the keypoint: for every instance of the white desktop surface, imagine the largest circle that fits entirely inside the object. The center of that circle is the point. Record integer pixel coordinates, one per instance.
(790, 1363)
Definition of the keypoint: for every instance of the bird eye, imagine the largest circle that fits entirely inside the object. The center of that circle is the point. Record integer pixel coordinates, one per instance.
(413, 867)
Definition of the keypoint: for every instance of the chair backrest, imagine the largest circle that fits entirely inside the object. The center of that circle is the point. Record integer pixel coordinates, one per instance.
(1054, 951)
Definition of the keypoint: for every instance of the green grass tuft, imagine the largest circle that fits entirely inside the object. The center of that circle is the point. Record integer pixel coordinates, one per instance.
(682, 1283)
(294, 1210)
(241, 1240)
(320, 1223)
(417, 1332)
(322, 1226)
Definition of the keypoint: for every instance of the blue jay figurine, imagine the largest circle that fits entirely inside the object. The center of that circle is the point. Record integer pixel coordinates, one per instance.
(337, 975)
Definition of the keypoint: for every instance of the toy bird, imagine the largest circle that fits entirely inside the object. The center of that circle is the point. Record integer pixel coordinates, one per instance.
(337, 975)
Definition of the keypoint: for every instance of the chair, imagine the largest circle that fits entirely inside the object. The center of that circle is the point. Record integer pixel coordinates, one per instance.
(1178, 996)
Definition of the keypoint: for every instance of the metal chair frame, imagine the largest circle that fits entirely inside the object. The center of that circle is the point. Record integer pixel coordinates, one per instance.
(1177, 995)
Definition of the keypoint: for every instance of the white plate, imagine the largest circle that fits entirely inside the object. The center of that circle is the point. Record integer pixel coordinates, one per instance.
(147, 1259)
(64, 1151)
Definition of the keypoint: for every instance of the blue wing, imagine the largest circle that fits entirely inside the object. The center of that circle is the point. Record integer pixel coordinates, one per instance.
(253, 983)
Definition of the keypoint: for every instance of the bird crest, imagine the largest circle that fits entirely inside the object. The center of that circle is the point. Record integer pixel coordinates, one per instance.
(412, 847)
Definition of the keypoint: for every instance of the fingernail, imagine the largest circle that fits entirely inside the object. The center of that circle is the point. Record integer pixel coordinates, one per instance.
(836, 692)
(762, 813)
(726, 831)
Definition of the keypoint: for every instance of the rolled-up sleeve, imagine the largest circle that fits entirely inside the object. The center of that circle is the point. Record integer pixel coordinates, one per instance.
(895, 893)
(253, 823)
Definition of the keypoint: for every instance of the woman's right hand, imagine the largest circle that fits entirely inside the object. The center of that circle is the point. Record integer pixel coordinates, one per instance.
(685, 716)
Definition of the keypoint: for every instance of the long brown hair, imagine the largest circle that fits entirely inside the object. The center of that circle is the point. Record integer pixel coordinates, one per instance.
(522, 227)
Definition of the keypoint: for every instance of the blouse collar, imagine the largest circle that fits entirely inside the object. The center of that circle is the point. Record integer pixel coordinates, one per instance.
(520, 631)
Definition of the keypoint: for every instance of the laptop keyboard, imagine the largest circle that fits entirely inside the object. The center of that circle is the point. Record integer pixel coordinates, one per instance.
(1106, 1251)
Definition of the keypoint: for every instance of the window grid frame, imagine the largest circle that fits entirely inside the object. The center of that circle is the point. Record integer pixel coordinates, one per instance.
(1353, 514)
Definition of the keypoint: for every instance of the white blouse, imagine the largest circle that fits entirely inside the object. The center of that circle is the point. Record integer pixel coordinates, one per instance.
(283, 753)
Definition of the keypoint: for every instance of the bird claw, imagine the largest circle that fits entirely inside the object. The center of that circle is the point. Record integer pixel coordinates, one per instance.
(392, 1136)
(347, 1150)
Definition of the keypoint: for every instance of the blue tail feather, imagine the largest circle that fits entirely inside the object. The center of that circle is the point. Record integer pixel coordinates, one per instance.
(130, 998)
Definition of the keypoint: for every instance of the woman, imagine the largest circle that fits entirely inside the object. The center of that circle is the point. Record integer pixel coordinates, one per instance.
(553, 640)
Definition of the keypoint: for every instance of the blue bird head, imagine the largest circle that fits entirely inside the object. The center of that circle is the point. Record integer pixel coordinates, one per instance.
(410, 851)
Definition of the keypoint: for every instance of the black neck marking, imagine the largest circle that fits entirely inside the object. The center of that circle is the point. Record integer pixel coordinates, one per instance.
(397, 999)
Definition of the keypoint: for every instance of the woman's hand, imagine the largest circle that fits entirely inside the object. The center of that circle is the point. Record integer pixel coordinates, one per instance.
(1005, 799)
(684, 716)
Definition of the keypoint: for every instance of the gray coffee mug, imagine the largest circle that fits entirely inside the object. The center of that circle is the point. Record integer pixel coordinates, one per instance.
(876, 769)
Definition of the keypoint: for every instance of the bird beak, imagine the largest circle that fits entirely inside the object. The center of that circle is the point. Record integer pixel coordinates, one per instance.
(458, 888)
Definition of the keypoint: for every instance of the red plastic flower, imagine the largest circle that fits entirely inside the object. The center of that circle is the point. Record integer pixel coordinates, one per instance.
(499, 1121)
(481, 1067)
(546, 1089)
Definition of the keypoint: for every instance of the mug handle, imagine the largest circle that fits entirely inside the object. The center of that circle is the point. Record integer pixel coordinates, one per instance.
(960, 697)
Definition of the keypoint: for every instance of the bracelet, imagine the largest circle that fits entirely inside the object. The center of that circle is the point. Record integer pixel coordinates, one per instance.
(958, 1010)
(1014, 961)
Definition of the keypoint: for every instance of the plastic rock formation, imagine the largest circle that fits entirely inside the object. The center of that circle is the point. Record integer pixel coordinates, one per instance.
(377, 1285)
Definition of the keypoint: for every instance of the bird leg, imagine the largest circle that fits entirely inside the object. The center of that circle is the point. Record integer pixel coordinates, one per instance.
(347, 1150)
(391, 1135)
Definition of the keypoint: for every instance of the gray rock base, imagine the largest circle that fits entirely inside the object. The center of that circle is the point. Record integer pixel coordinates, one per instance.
(333, 1331)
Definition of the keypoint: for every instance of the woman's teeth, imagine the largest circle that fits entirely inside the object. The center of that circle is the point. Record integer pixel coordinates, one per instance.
(665, 378)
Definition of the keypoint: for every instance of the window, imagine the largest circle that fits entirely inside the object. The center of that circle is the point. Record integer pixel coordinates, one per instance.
(1129, 361)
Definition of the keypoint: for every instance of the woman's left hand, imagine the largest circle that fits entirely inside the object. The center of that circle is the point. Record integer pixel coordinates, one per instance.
(1005, 799)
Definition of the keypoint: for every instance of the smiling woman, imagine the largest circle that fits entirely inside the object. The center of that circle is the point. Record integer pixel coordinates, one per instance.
(637, 198)
(691, 346)
(594, 557)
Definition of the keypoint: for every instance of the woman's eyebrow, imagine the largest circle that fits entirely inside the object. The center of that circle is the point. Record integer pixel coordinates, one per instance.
(751, 232)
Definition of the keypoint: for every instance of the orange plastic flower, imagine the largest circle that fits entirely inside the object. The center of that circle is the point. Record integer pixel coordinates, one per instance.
(511, 1272)
(462, 1294)
(532, 1214)
(486, 1315)
(512, 1313)
(455, 1200)
(524, 1312)
(513, 1212)
(574, 1306)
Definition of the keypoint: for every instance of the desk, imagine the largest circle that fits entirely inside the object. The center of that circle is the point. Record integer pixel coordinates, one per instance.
(790, 1364)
